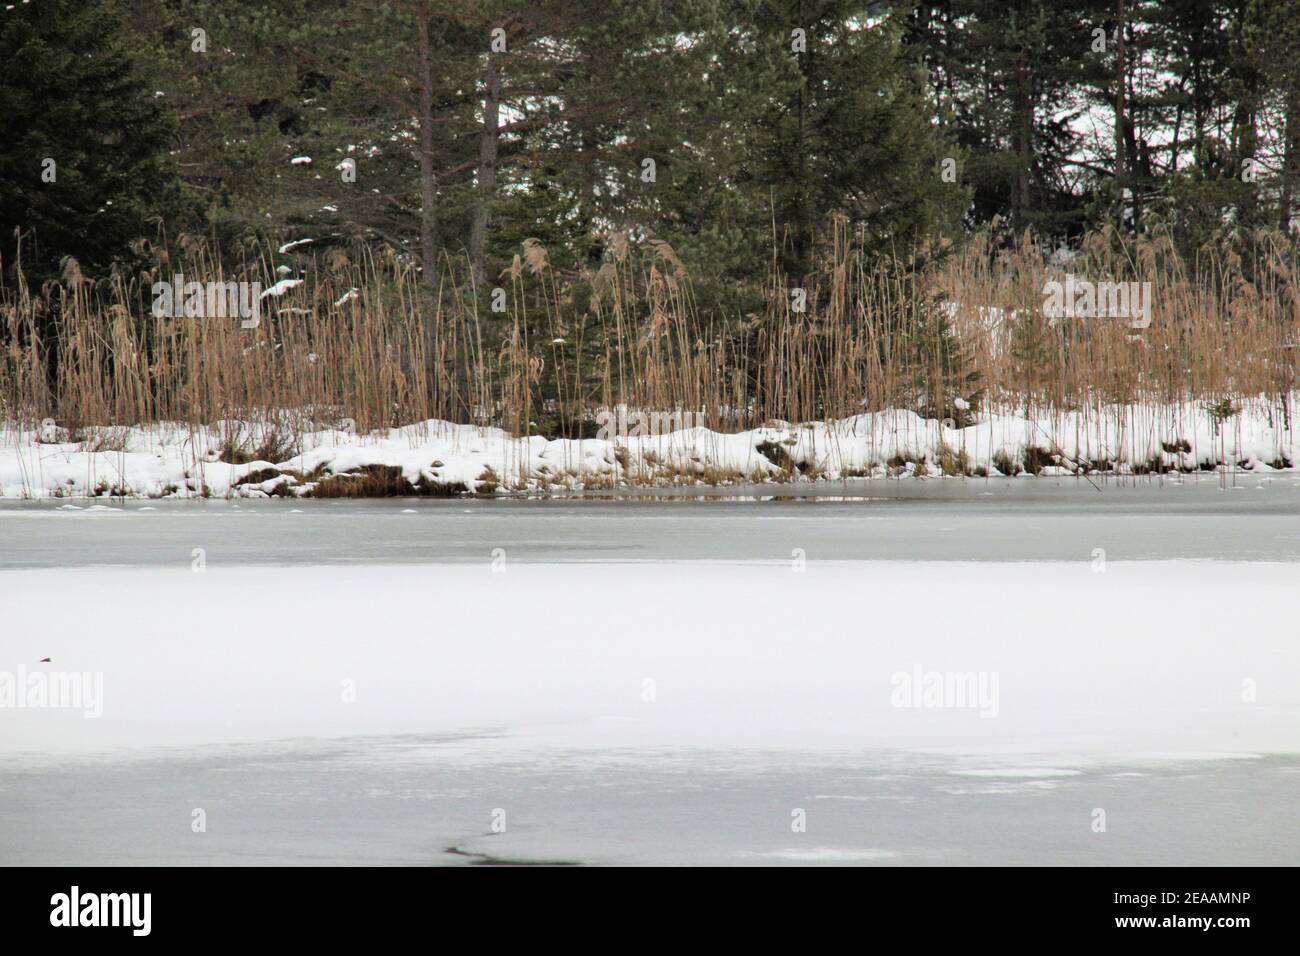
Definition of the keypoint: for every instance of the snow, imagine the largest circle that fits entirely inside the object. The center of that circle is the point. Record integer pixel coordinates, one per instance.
(1147, 658)
(281, 287)
(181, 460)
(295, 244)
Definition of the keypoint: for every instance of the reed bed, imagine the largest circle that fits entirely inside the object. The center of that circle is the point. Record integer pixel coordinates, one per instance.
(949, 335)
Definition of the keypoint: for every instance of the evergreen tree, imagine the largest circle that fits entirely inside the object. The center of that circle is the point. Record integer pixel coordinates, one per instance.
(835, 119)
(1007, 72)
(83, 141)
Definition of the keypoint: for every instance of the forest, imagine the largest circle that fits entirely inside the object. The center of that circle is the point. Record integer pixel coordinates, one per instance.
(519, 214)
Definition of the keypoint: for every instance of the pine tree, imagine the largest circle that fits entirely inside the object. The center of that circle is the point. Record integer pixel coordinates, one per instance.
(1006, 69)
(83, 141)
(838, 122)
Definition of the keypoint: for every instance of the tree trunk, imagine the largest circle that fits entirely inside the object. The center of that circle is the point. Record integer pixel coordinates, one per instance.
(487, 167)
(588, 151)
(428, 217)
(1022, 141)
(1290, 160)
(1245, 116)
(1121, 166)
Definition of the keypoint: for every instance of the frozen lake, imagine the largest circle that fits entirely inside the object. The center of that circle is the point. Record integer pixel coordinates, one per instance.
(423, 801)
(670, 678)
(947, 520)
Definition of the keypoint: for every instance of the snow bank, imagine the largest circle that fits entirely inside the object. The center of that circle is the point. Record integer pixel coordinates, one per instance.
(437, 457)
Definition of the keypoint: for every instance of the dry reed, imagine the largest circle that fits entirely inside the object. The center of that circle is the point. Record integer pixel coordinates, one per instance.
(942, 337)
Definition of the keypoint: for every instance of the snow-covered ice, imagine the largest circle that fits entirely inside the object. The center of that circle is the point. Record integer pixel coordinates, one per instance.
(1146, 657)
(667, 712)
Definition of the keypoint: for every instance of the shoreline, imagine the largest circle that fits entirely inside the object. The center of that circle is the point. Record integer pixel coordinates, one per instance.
(292, 458)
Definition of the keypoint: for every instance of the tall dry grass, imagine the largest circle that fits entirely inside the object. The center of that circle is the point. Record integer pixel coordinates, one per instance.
(944, 337)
